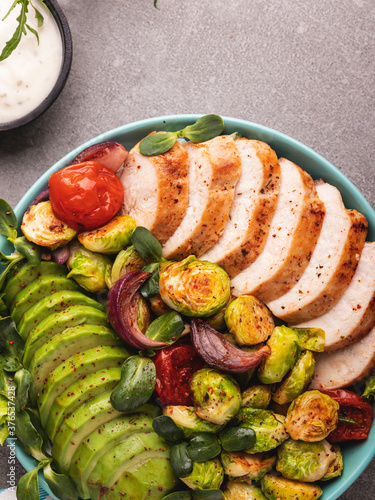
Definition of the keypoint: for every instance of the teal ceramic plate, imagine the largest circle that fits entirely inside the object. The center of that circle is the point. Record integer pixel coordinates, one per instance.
(356, 456)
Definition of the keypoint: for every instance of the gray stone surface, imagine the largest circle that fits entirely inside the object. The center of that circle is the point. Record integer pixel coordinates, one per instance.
(304, 68)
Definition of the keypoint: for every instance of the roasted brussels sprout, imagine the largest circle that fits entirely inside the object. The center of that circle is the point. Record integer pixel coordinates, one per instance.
(112, 237)
(188, 421)
(245, 467)
(249, 320)
(306, 462)
(144, 318)
(269, 428)
(256, 396)
(242, 491)
(285, 350)
(193, 287)
(216, 396)
(41, 226)
(297, 380)
(312, 416)
(205, 476)
(337, 466)
(217, 320)
(87, 268)
(279, 488)
(158, 306)
(313, 339)
(126, 261)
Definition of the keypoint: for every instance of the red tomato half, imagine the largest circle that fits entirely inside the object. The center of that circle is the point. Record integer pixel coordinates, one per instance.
(175, 366)
(85, 195)
(352, 407)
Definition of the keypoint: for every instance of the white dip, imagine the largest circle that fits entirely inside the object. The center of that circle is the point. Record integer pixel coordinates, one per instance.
(28, 75)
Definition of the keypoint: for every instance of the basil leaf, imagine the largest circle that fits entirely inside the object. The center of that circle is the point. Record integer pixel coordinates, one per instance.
(8, 220)
(22, 379)
(146, 244)
(11, 345)
(157, 144)
(205, 128)
(30, 250)
(150, 288)
(61, 485)
(166, 328)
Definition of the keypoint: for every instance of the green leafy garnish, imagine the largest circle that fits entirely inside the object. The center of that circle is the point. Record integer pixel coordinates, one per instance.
(8, 221)
(150, 287)
(11, 346)
(348, 420)
(61, 485)
(146, 244)
(22, 26)
(28, 485)
(205, 128)
(166, 328)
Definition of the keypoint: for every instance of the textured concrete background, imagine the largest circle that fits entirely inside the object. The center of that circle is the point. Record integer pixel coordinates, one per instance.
(304, 68)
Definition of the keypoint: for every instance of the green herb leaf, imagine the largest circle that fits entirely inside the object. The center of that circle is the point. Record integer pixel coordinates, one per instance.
(13, 43)
(25, 430)
(166, 328)
(11, 346)
(348, 420)
(146, 244)
(150, 288)
(157, 144)
(8, 220)
(22, 379)
(30, 250)
(33, 31)
(5, 273)
(28, 485)
(61, 485)
(5, 380)
(205, 128)
(38, 16)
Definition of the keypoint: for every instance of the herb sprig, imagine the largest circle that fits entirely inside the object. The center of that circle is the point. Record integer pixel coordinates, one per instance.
(22, 26)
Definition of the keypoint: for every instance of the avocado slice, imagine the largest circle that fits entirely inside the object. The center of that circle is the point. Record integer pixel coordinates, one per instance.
(57, 322)
(42, 287)
(78, 366)
(27, 273)
(60, 347)
(102, 440)
(56, 303)
(78, 393)
(80, 424)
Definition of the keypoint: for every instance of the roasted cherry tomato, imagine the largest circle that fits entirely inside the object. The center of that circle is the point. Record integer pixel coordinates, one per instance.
(353, 408)
(175, 365)
(85, 195)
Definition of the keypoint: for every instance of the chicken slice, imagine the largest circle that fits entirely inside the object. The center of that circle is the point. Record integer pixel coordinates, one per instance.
(293, 233)
(252, 209)
(214, 169)
(345, 367)
(332, 264)
(354, 314)
(156, 190)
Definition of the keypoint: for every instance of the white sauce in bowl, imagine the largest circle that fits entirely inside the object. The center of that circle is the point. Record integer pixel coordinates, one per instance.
(29, 74)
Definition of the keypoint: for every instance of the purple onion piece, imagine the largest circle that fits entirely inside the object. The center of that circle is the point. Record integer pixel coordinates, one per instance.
(218, 352)
(46, 254)
(110, 154)
(43, 196)
(122, 310)
(60, 255)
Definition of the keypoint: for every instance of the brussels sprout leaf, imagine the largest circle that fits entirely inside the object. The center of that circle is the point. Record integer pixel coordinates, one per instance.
(146, 244)
(22, 379)
(61, 485)
(205, 128)
(369, 392)
(166, 328)
(11, 346)
(8, 221)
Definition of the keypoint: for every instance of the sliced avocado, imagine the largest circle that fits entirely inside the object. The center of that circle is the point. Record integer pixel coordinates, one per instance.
(60, 347)
(25, 274)
(57, 322)
(56, 303)
(125, 456)
(78, 366)
(102, 440)
(79, 425)
(42, 287)
(78, 393)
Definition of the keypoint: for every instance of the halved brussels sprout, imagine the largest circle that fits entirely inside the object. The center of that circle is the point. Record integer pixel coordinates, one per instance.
(41, 226)
(245, 467)
(87, 268)
(306, 462)
(205, 476)
(144, 317)
(216, 396)
(249, 320)
(280, 488)
(312, 416)
(126, 261)
(313, 339)
(285, 350)
(269, 428)
(188, 421)
(217, 320)
(297, 381)
(242, 491)
(112, 237)
(256, 396)
(337, 466)
(158, 306)
(193, 287)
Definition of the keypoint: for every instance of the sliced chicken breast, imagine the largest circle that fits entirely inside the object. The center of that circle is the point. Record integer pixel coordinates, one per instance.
(214, 169)
(293, 233)
(254, 203)
(156, 190)
(332, 264)
(354, 314)
(345, 367)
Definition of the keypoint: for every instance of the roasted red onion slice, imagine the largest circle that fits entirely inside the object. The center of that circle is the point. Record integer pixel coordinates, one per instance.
(218, 352)
(60, 255)
(109, 154)
(43, 196)
(122, 309)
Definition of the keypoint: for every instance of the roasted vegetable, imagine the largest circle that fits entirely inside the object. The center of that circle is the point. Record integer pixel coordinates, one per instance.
(313, 339)
(279, 488)
(188, 421)
(87, 268)
(256, 396)
(245, 467)
(242, 491)
(205, 476)
(111, 238)
(337, 466)
(126, 261)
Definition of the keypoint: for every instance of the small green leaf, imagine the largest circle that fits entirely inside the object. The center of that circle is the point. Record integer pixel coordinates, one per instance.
(4, 433)
(26, 432)
(150, 287)
(156, 4)
(348, 420)
(14, 41)
(146, 244)
(22, 379)
(5, 380)
(5, 273)
(38, 16)
(166, 328)
(28, 485)
(205, 128)
(11, 345)
(157, 144)
(8, 221)
(61, 485)
(30, 250)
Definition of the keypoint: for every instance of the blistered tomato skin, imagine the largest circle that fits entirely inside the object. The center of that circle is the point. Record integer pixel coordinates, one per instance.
(85, 195)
